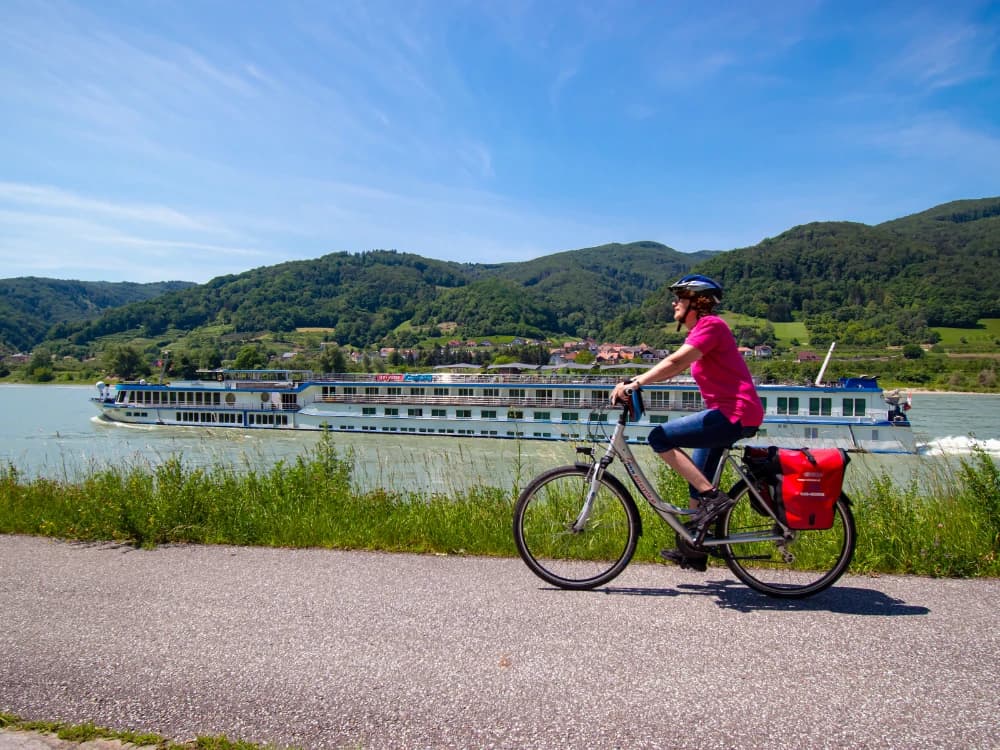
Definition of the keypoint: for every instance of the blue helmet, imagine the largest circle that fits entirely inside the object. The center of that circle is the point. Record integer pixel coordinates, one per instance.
(696, 285)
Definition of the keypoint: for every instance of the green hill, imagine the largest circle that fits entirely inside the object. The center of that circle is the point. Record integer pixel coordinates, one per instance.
(32, 309)
(865, 285)
(365, 296)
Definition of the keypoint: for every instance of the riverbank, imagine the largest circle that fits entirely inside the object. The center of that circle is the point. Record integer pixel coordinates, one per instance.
(313, 501)
(14, 380)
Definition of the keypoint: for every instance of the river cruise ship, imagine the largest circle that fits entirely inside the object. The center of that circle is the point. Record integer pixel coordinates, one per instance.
(511, 402)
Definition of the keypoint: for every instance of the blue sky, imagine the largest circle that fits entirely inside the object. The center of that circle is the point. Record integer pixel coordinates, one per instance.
(185, 139)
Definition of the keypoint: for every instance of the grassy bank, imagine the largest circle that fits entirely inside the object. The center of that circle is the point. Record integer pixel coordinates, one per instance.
(89, 733)
(953, 530)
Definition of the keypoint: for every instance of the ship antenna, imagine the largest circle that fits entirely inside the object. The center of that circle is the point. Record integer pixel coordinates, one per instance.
(819, 378)
(165, 356)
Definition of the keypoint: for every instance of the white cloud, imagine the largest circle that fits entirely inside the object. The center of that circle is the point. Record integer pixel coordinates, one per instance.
(942, 52)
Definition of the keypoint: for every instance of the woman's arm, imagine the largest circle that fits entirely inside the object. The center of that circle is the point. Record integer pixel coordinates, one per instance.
(673, 364)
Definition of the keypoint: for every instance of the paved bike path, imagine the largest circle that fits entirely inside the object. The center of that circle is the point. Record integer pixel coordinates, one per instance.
(329, 649)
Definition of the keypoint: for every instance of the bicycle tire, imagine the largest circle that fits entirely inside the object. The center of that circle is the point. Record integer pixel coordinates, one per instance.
(547, 509)
(821, 556)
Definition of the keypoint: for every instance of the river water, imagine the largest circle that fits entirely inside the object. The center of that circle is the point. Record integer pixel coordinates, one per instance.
(53, 431)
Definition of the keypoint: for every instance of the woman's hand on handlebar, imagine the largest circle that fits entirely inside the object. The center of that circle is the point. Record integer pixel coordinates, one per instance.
(620, 394)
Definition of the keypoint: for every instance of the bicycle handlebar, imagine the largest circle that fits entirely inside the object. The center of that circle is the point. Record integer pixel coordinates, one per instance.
(633, 407)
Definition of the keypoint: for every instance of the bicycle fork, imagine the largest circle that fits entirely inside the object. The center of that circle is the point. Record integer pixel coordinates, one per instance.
(594, 476)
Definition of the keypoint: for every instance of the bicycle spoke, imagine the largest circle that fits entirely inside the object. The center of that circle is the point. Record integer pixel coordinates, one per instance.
(805, 564)
(543, 529)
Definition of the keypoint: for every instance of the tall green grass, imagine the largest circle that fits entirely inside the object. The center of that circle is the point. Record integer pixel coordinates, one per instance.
(312, 501)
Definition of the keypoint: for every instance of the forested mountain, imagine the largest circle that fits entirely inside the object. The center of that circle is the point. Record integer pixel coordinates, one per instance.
(570, 292)
(861, 284)
(31, 306)
(858, 283)
(947, 267)
(365, 296)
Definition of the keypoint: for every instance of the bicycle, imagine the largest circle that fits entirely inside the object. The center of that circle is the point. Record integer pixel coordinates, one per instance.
(577, 526)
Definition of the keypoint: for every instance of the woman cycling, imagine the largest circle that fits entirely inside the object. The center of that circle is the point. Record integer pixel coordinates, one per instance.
(727, 389)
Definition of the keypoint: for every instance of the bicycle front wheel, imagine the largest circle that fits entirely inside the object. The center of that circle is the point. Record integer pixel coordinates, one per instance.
(808, 563)
(545, 517)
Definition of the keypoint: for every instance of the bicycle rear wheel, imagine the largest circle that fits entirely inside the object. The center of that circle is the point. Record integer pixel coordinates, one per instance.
(545, 514)
(808, 563)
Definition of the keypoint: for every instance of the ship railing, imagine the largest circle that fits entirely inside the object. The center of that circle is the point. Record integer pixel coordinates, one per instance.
(439, 378)
(192, 406)
(488, 401)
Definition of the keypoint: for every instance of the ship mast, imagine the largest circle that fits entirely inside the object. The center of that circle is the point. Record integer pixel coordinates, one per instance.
(819, 378)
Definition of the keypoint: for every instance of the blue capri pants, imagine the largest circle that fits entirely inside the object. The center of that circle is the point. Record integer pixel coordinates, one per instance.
(708, 432)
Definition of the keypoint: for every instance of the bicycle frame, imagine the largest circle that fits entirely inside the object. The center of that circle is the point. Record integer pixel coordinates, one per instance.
(670, 513)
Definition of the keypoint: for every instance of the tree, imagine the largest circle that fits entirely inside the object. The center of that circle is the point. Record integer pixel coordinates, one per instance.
(124, 361)
(332, 360)
(250, 357)
(40, 366)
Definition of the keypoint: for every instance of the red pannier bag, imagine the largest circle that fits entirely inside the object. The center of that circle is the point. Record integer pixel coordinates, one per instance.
(811, 482)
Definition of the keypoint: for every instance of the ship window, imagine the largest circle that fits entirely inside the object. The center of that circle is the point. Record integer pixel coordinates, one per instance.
(491, 392)
(371, 390)
(821, 407)
(230, 398)
(598, 416)
(517, 392)
(368, 411)
(763, 404)
(542, 415)
(544, 394)
(599, 396)
(350, 390)
(658, 399)
(391, 411)
(571, 395)
(690, 400)
(788, 405)
(440, 391)
(463, 413)
(811, 433)
(571, 416)
(488, 414)
(439, 412)
(464, 391)
(854, 407)
(417, 391)
(515, 414)
(657, 418)
(414, 412)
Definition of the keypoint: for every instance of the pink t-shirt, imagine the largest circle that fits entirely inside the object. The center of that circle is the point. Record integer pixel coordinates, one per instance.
(721, 373)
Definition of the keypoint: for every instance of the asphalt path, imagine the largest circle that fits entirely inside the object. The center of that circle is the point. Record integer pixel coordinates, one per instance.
(332, 649)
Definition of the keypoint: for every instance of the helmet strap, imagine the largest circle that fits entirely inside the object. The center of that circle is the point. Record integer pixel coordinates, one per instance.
(687, 309)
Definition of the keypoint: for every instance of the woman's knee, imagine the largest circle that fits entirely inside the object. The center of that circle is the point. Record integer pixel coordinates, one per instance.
(659, 441)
